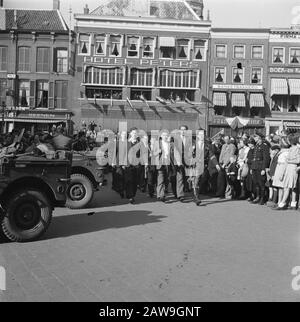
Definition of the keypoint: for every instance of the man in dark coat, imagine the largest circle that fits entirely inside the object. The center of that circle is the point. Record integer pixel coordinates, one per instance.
(260, 165)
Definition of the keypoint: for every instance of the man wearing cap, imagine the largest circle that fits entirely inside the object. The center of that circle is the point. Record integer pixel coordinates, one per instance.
(260, 164)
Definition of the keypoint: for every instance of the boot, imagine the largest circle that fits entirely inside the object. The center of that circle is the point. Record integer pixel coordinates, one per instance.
(257, 199)
(196, 197)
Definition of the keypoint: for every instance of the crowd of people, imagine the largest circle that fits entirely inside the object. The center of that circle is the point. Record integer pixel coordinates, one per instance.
(262, 170)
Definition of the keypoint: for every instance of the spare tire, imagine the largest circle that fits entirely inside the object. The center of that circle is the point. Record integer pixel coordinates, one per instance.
(28, 214)
(80, 191)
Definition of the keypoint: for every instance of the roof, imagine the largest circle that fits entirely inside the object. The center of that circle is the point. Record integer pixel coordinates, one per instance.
(162, 9)
(36, 20)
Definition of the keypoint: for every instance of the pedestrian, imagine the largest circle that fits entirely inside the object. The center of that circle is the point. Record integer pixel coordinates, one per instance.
(232, 177)
(242, 165)
(250, 190)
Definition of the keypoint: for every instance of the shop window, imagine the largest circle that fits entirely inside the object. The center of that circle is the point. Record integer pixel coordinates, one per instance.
(256, 76)
(3, 58)
(148, 47)
(24, 93)
(221, 51)
(104, 76)
(100, 45)
(293, 104)
(115, 46)
(140, 94)
(23, 59)
(238, 75)
(103, 93)
(220, 76)
(141, 77)
(182, 46)
(42, 93)
(133, 46)
(84, 44)
(184, 79)
(257, 52)
(199, 49)
(239, 51)
(295, 55)
(278, 55)
(177, 96)
(43, 60)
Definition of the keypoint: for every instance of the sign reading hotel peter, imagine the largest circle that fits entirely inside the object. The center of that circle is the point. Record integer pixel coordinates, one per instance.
(142, 62)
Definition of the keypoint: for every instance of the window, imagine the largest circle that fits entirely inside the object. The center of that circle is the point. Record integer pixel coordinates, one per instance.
(3, 58)
(238, 75)
(177, 96)
(103, 93)
(294, 103)
(148, 47)
(141, 77)
(167, 52)
(220, 76)
(84, 44)
(199, 49)
(239, 51)
(24, 93)
(257, 52)
(295, 56)
(43, 60)
(42, 93)
(115, 46)
(104, 76)
(278, 55)
(184, 79)
(100, 45)
(182, 48)
(137, 94)
(61, 91)
(23, 59)
(3, 89)
(61, 63)
(221, 51)
(279, 102)
(256, 76)
(133, 46)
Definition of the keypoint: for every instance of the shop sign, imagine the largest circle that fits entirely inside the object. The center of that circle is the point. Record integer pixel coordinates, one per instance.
(243, 87)
(292, 124)
(283, 70)
(222, 121)
(141, 62)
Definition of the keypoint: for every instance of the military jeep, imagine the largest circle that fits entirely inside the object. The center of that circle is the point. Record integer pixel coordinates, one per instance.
(30, 187)
(86, 178)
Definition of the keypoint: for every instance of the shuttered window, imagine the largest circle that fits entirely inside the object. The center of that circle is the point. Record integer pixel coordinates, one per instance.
(43, 60)
(23, 59)
(3, 58)
(61, 90)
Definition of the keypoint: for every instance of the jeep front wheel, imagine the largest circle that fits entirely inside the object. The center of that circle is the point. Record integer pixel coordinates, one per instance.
(80, 191)
(28, 214)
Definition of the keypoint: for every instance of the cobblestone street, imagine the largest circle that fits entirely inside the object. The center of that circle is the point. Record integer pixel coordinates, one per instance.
(221, 251)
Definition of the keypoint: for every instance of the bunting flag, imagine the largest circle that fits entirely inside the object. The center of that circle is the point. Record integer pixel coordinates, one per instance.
(130, 104)
(161, 100)
(237, 122)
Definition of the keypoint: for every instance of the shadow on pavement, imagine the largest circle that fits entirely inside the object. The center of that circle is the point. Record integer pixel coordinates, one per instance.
(65, 226)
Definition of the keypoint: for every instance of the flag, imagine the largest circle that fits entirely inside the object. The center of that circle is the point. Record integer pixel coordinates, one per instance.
(161, 100)
(142, 98)
(204, 99)
(130, 104)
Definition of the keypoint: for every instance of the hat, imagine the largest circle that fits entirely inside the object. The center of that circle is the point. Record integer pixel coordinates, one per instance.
(259, 134)
(275, 147)
(251, 141)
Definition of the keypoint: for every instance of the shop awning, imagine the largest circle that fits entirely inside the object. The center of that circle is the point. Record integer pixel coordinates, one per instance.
(167, 41)
(257, 100)
(279, 86)
(34, 120)
(220, 99)
(238, 100)
(294, 86)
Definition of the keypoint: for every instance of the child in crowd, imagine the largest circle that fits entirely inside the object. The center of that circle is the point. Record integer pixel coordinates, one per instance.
(232, 177)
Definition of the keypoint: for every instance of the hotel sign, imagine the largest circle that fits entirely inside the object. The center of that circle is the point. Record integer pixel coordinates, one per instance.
(283, 70)
(222, 121)
(142, 62)
(243, 87)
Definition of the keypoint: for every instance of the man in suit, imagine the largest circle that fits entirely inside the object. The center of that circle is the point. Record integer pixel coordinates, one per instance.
(260, 165)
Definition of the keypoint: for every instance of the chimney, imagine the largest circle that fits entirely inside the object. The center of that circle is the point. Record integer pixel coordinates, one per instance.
(86, 10)
(15, 23)
(56, 4)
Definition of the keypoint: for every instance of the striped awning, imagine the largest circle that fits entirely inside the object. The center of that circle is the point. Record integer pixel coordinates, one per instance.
(34, 120)
(220, 99)
(257, 100)
(279, 86)
(294, 86)
(238, 100)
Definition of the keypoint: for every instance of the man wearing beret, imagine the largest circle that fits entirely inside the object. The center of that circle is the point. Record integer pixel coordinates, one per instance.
(260, 164)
